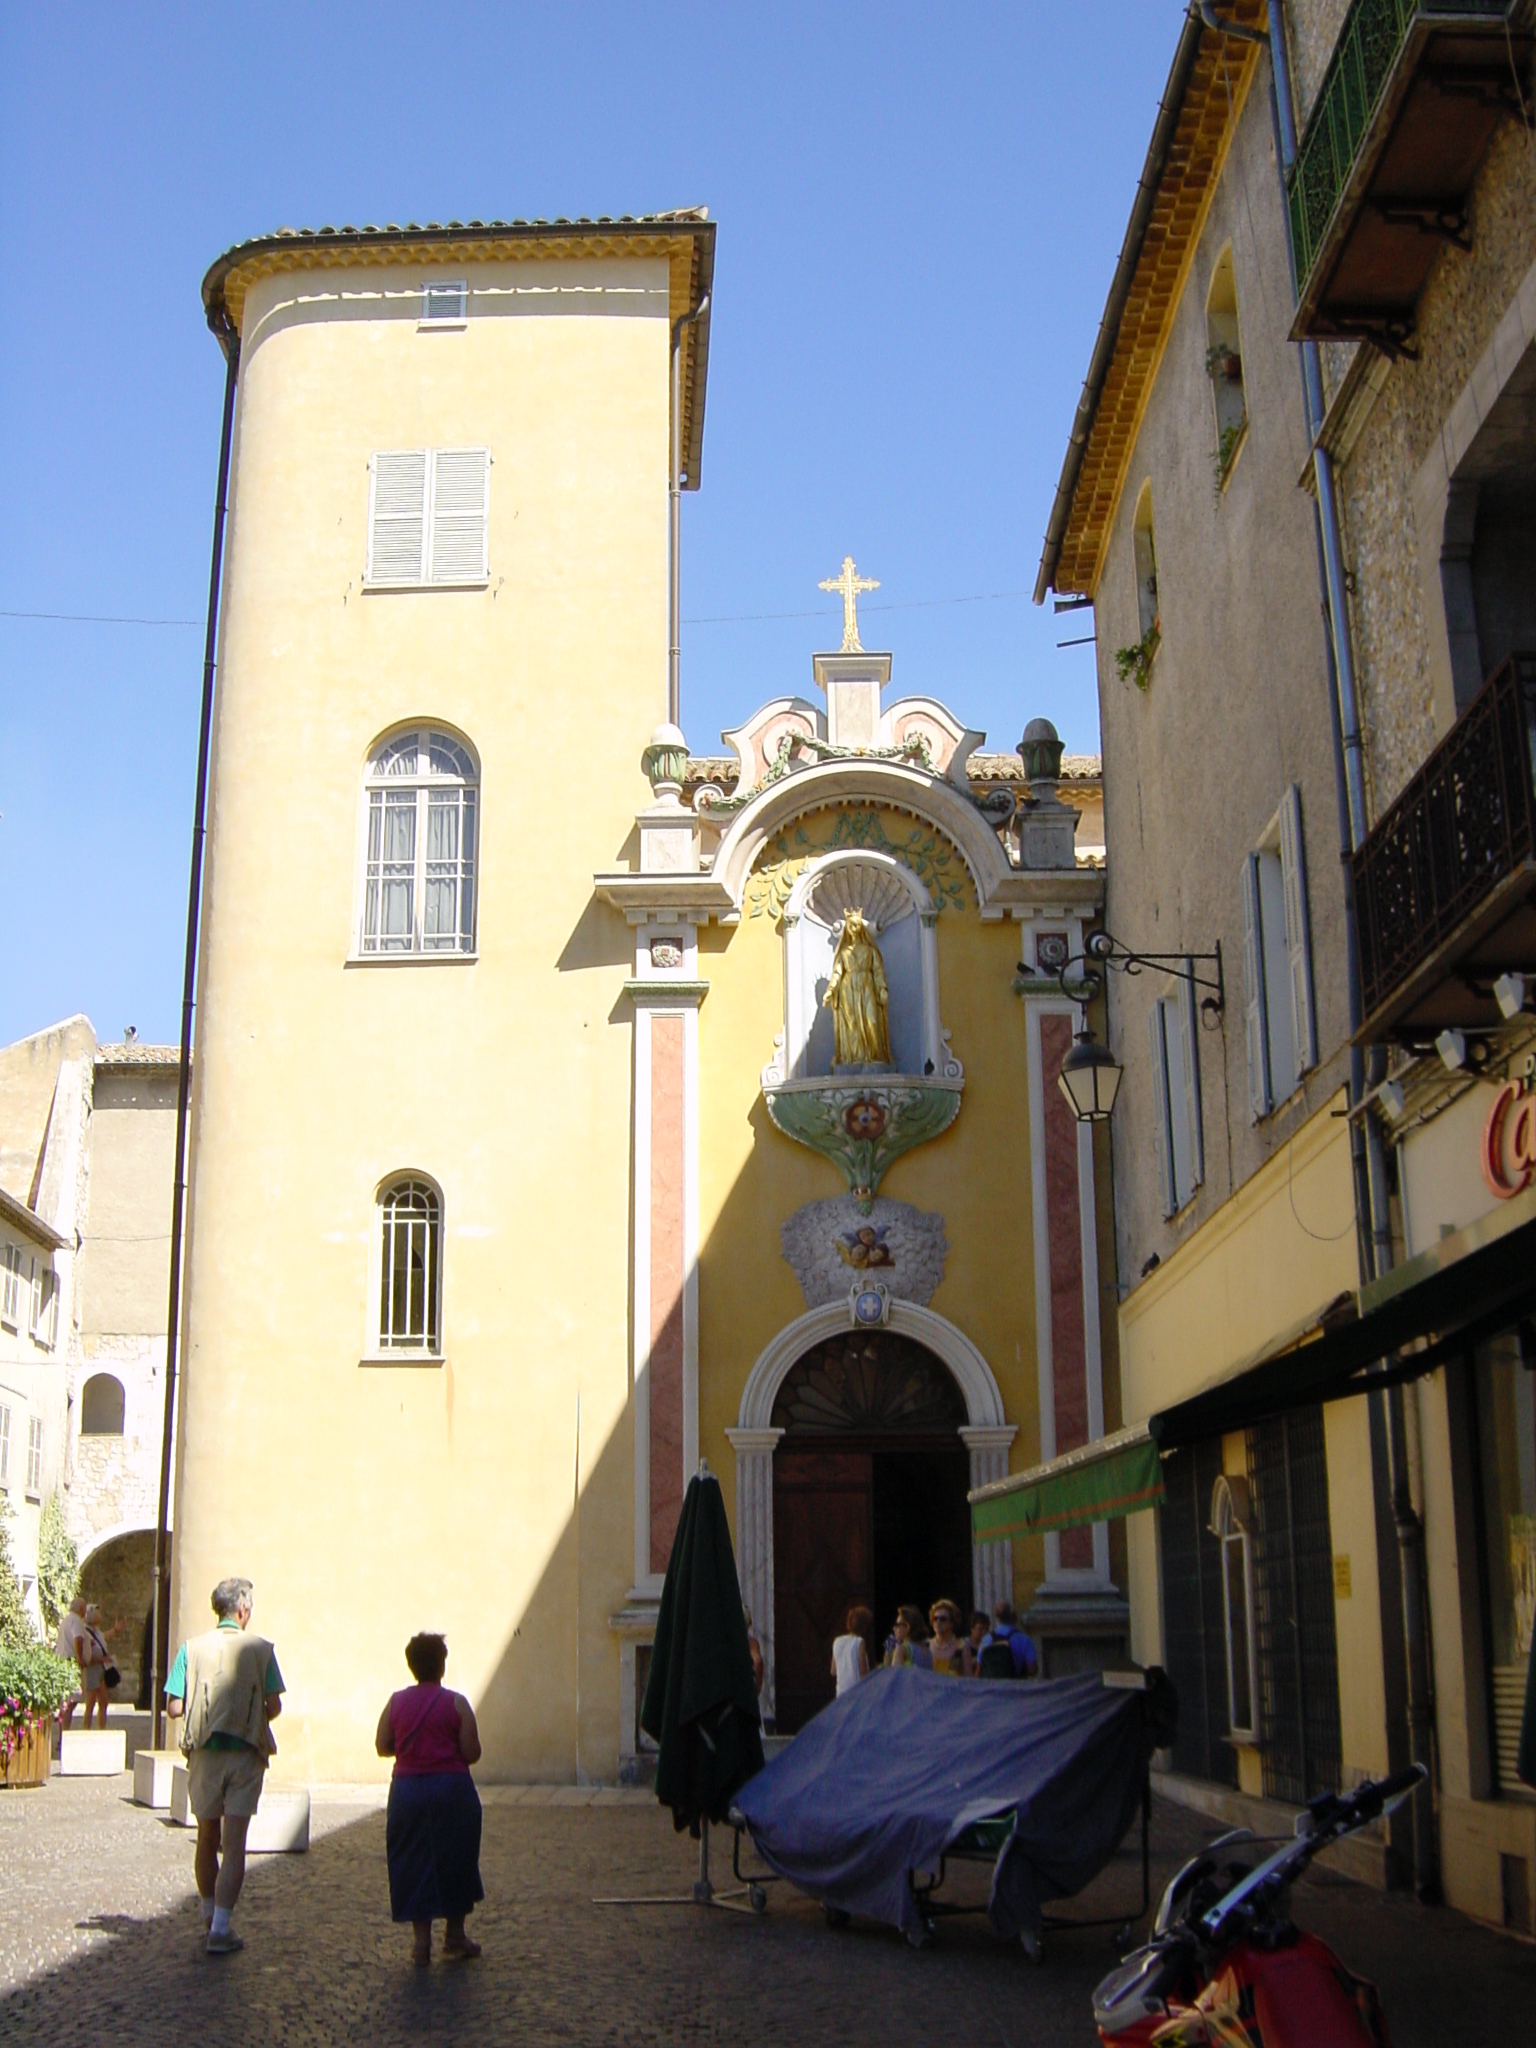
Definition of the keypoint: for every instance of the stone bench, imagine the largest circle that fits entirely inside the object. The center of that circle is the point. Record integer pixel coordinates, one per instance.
(93, 1752)
(280, 1825)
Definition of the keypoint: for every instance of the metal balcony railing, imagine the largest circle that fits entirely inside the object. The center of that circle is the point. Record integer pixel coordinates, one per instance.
(1368, 47)
(1465, 824)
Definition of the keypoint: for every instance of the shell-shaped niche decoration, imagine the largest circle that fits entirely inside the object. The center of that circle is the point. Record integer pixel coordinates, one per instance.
(866, 886)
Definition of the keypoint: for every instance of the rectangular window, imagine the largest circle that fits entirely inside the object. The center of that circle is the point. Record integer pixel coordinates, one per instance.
(45, 1306)
(5, 1445)
(10, 1287)
(35, 1456)
(1277, 961)
(1175, 1020)
(1506, 1430)
(429, 516)
(445, 303)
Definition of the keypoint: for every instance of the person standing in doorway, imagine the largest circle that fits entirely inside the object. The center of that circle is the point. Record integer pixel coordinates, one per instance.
(432, 1834)
(850, 1652)
(226, 1690)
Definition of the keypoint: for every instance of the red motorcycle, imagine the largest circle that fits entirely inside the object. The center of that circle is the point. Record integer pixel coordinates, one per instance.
(1228, 1968)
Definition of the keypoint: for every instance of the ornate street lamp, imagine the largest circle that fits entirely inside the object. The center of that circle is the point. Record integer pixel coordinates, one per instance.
(1090, 1074)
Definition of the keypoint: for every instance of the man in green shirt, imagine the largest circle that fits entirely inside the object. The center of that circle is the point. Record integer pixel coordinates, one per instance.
(226, 1690)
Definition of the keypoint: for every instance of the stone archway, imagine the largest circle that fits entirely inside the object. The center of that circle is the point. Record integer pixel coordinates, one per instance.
(117, 1572)
(984, 1433)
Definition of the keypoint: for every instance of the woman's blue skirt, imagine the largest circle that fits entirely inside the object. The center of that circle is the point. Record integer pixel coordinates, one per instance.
(432, 1837)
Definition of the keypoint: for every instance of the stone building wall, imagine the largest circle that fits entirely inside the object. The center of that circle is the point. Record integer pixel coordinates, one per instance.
(1466, 298)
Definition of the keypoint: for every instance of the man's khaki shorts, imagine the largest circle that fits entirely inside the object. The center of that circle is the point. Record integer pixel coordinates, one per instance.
(225, 1781)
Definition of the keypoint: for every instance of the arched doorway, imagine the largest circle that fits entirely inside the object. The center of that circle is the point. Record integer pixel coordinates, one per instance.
(118, 1573)
(869, 1499)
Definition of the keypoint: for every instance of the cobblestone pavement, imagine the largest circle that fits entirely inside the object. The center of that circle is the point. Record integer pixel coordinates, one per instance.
(100, 1942)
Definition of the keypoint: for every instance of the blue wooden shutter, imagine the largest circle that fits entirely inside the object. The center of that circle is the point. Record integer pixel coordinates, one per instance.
(1260, 1100)
(1298, 934)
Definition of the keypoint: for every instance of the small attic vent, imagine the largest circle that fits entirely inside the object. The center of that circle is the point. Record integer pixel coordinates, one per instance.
(445, 303)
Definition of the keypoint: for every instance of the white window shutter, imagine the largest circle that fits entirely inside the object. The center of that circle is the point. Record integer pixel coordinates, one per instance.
(461, 484)
(1156, 1030)
(397, 517)
(1189, 1035)
(1260, 1101)
(1298, 934)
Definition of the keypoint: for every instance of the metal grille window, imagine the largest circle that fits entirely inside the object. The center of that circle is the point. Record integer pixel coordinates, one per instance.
(1298, 1654)
(35, 1456)
(410, 1267)
(419, 859)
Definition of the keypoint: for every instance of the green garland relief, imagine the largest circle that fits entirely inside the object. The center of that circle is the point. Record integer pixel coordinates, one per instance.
(928, 854)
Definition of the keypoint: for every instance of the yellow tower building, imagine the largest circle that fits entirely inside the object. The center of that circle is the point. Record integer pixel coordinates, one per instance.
(527, 1167)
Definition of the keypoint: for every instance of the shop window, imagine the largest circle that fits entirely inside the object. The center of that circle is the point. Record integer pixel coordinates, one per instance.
(1224, 362)
(1277, 961)
(1174, 1023)
(102, 1405)
(1231, 1525)
(1506, 1413)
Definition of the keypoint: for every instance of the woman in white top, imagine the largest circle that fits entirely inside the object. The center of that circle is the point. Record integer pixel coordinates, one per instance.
(850, 1653)
(71, 1635)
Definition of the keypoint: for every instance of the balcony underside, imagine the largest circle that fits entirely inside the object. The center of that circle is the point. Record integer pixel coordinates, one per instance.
(1453, 986)
(1408, 188)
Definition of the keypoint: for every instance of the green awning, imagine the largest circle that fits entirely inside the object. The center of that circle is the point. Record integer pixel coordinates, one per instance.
(1116, 1475)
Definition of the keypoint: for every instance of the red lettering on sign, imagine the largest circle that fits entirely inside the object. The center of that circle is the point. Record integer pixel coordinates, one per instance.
(1509, 1141)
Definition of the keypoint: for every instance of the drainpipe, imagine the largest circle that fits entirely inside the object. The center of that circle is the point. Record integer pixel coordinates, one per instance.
(675, 534)
(1350, 775)
(229, 341)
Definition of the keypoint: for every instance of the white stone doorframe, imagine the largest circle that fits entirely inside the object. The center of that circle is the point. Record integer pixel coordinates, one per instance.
(986, 1436)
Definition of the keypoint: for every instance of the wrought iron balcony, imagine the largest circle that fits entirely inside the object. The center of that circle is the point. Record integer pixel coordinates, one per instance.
(1383, 175)
(1445, 886)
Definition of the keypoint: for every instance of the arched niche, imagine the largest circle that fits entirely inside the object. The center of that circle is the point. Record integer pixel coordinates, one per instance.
(898, 906)
(102, 1406)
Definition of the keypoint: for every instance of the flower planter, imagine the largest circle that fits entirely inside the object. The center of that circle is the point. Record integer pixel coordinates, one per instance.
(25, 1751)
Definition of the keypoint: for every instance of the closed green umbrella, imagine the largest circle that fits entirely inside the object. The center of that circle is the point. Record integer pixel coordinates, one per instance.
(700, 1702)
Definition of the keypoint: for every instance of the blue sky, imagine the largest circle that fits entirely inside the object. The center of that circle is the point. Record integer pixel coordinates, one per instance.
(919, 214)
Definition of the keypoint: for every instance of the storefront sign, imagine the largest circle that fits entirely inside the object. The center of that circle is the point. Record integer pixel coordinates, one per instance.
(1509, 1140)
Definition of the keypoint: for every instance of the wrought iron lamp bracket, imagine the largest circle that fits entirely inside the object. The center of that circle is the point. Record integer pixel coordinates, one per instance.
(1102, 952)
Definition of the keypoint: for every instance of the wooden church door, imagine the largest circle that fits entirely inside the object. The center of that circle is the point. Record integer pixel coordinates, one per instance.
(823, 1564)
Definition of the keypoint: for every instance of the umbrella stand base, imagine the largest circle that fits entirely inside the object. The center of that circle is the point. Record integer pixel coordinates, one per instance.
(704, 1893)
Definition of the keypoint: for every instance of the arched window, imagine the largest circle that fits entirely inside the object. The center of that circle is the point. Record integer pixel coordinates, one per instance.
(101, 1406)
(1144, 551)
(1231, 1525)
(410, 1266)
(423, 793)
(1224, 361)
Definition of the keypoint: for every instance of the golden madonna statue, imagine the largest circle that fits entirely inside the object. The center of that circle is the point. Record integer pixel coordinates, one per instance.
(859, 998)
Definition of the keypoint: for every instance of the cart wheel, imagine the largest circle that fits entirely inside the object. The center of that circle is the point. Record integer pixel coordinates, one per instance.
(836, 1917)
(757, 1898)
(1029, 1941)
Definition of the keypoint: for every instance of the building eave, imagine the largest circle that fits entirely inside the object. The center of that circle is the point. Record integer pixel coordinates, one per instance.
(1207, 85)
(30, 1224)
(686, 240)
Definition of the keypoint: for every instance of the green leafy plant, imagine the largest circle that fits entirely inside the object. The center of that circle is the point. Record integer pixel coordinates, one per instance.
(16, 1630)
(1133, 664)
(1222, 360)
(58, 1564)
(1226, 449)
(33, 1682)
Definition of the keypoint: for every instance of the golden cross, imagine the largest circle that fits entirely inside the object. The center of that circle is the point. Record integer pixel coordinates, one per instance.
(850, 585)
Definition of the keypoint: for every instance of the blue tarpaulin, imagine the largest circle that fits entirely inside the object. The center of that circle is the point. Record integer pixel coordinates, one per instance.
(884, 1780)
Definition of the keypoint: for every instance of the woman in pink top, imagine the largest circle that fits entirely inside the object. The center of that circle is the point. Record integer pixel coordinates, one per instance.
(432, 1836)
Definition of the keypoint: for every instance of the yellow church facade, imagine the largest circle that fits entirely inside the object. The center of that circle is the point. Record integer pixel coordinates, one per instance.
(528, 1166)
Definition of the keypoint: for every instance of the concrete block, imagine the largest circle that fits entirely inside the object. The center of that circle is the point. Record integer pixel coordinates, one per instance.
(181, 1809)
(92, 1753)
(152, 1772)
(281, 1823)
